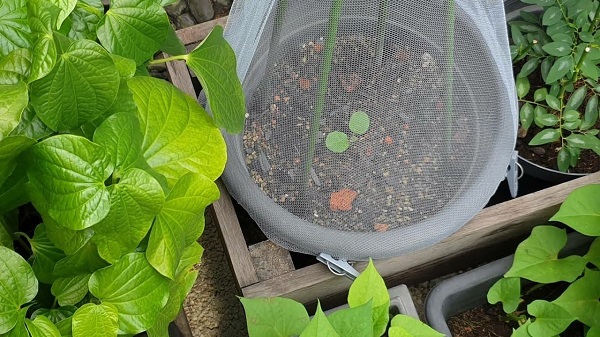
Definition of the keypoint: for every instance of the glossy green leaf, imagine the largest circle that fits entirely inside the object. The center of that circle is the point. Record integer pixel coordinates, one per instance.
(563, 160)
(508, 291)
(84, 261)
(551, 16)
(13, 100)
(121, 135)
(576, 98)
(6, 234)
(406, 326)
(557, 48)
(10, 148)
(65, 327)
(590, 69)
(547, 119)
(593, 332)
(82, 85)
(545, 136)
(353, 322)
(571, 126)
(15, 67)
(570, 115)
(213, 61)
(178, 289)
(274, 317)
(581, 211)
(13, 26)
(550, 319)
(529, 67)
(31, 126)
(95, 320)
(124, 102)
(580, 299)
(369, 286)
(20, 329)
(179, 136)
(591, 113)
(593, 255)
(525, 26)
(337, 141)
(68, 240)
(172, 44)
(134, 202)
(41, 326)
(319, 326)
(66, 7)
(584, 142)
(529, 17)
(133, 287)
(134, 28)
(70, 172)
(70, 290)
(560, 68)
(522, 330)
(359, 122)
(545, 67)
(553, 102)
(178, 223)
(562, 38)
(55, 315)
(526, 115)
(45, 254)
(85, 18)
(523, 86)
(43, 16)
(536, 258)
(125, 66)
(18, 287)
(559, 28)
(540, 95)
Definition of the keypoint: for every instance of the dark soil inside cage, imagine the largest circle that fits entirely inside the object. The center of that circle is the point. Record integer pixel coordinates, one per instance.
(393, 174)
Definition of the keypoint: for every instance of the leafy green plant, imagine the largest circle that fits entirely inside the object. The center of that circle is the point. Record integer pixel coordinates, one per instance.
(367, 315)
(339, 142)
(536, 260)
(105, 172)
(562, 45)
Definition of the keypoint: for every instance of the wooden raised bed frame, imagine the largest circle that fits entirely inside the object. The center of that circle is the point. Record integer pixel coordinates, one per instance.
(490, 234)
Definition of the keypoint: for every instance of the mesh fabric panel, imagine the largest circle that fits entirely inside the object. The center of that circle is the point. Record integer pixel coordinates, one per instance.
(442, 122)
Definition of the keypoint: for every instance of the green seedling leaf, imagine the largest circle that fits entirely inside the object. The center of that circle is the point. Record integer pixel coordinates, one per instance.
(13, 100)
(576, 98)
(563, 159)
(85, 261)
(18, 287)
(88, 83)
(529, 67)
(134, 288)
(85, 19)
(70, 290)
(522, 86)
(45, 255)
(178, 289)
(15, 66)
(13, 26)
(591, 113)
(526, 115)
(540, 95)
(553, 102)
(359, 122)
(134, 202)
(173, 45)
(550, 319)
(557, 48)
(369, 286)
(31, 126)
(508, 291)
(67, 240)
(593, 255)
(584, 142)
(101, 319)
(55, 315)
(522, 331)
(69, 173)
(560, 68)
(581, 210)
(213, 61)
(545, 136)
(274, 317)
(570, 115)
(536, 258)
(406, 326)
(121, 135)
(353, 322)
(547, 119)
(319, 326)
(180, 222)
(135, 29)
(179, 136)
(41, 326)
(551, 16)
(337, 142)
(580, 299)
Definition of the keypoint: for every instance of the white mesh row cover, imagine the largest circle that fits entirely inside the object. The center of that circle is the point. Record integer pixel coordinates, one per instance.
(442, 121)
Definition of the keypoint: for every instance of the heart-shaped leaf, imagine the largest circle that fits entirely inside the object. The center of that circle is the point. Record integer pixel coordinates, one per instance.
(66, 7)
(213, 61)
(319, 326)
(353, 322)
(180, 222)
(69, 173)
(133, 287)
(508, 291)
(55, 315)
(15, 67)
(536, 258)
(68, 240)
(13, 100)
(45, 254)
(275, 316)
(179, 136)
(545, 136)
(31, 126)
(121, 135)
(18, 287)
(84, 261)
(593, 255)
(550, 319)
(134, 202)
(133, 28)
(43, 16)
(82, 85)
(101, 319)
(85, 18)
(369, 286)
(13, 26)
(580, 299)
(581, 210)
(406, 326)
(70, 290)
(41, 326)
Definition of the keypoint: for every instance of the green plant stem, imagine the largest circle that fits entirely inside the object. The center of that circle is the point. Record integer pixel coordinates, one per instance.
(381, 21)
(595, 20)
(22, 243)
(563, 89)
(169, 59)
(332, 29)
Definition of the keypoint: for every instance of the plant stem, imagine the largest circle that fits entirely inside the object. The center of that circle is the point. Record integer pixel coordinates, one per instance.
(534, 288)
(381, 21)
(595, 20)
(22, 243)
(169, 59)
(332, 29)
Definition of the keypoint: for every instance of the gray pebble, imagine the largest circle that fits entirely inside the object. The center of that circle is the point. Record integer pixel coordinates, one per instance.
(174, 10)
(540, 151)
(185, 20)
(202, 10)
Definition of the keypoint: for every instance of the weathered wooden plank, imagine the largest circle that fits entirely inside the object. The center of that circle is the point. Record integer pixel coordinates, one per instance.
(180, 77)
(233, 239)
(492, 226)
(198, 32)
